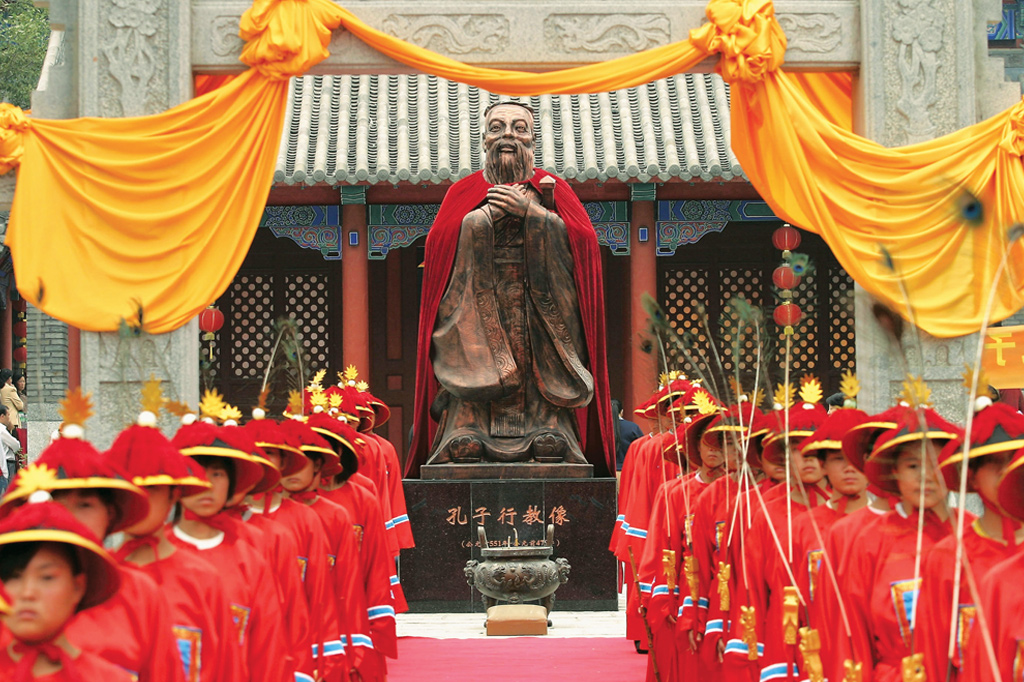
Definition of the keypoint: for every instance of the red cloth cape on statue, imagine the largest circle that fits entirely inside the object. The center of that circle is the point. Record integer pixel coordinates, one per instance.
(595, 420)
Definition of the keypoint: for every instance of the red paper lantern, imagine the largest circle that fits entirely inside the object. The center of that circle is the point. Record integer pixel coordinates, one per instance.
(20, 354)
(785, 278)
(786, 238)
(211, 320)
(787, 314)
(20, 329)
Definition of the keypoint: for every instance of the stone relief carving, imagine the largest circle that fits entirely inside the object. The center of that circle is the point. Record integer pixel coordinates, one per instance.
(224, 38)
(917, 28)
(812, 32)
(597, 33)
(452, 34)
(134, 46)
(124, 362)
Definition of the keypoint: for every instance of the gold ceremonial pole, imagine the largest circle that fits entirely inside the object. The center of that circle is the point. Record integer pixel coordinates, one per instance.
(643, 614)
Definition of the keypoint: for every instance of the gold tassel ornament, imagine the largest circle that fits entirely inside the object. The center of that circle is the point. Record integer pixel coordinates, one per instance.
(668, 565)
(748, 625)
(724, 573)
(790, 614)
(913, 668)
(810, 650)
(690, 569)
(852, 671)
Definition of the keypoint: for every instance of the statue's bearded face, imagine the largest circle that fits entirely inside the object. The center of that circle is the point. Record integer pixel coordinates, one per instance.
(508, 144)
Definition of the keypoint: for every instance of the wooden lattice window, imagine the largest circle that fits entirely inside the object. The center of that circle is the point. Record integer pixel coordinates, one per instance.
(806, 343)
(278, 280)
(723, 266)
(842, 349)
(306, 300)
(684, 292)
(747, 283)
(251, 300)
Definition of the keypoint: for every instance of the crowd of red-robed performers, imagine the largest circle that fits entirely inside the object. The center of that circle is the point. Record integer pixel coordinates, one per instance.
(743, 576)
(279, 563)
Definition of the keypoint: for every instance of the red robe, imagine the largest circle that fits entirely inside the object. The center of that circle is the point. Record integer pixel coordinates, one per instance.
(255, 605)
(712, 519)
(672, 512)
(740, 548)
(376, 469)
(878, 582)
(811, 571)
(399, 521)
(983, 553)
(88, 667)
(595, 420)
(826, 603)
(376, 478)
(278, 547)
(312, 557)
(132, 630)
(651, 473)
(770, 578)
(1003, 604)
(629, 469)
(375, 568)
(200, 616)
(347, 577)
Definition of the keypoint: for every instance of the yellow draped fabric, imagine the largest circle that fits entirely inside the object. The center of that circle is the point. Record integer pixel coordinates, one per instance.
(114, 216)
(148, 219)
(155, 212)
(860, 196)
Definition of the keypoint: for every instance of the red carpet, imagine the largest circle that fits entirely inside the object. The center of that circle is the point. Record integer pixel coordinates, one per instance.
(515, 659)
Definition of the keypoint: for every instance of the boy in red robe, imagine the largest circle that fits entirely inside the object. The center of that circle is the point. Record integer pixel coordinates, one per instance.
(133, 629)
(248, 578)
(278, 547)
(303, 487)
(400, 516)
(712, 451)
(995, 650)
(375, 564)
(879, 581)
(814, 569)
(770, 575)
(282, 448)
(200, 612)
(51, 567)
(997, 432)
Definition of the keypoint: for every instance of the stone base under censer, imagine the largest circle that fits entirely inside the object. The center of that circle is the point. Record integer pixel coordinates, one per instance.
(493, 470)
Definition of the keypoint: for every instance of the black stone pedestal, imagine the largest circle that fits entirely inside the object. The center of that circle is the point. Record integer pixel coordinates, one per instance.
(444, 516)
(496, 470)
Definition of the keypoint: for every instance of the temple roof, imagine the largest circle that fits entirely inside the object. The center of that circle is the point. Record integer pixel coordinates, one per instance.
(419, 128)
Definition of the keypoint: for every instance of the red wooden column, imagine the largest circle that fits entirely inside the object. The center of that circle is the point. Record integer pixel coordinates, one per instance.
(643, 277)
(354, 282)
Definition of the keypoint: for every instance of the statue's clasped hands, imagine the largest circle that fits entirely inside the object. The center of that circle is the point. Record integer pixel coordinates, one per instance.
(512, 199)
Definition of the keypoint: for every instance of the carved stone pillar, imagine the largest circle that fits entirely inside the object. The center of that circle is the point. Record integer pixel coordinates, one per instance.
(114, 58)
(925, 72)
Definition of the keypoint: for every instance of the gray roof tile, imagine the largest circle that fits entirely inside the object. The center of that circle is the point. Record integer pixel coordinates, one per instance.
(419, 128)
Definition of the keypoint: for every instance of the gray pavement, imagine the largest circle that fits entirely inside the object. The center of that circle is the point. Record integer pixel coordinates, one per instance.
(471, 625)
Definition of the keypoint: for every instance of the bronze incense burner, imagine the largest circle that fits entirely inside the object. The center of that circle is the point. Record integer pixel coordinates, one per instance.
(517, 574)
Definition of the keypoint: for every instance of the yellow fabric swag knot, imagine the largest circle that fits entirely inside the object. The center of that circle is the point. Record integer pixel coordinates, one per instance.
(13, 124)
(1012, 139)
(286, 38)
(746, 34)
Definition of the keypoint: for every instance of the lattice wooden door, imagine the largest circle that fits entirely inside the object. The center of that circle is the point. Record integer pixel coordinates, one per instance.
(739, 262)
(278, 279)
